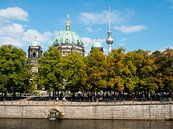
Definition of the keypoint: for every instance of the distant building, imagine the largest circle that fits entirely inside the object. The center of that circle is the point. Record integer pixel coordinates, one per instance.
(97, 45)
(34, 53)
(68, 41)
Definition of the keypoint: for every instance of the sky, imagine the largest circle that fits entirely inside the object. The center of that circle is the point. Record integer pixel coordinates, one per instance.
(135, 24)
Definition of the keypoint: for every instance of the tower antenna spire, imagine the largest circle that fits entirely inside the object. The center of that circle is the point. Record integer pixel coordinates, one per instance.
(109, 19)
(109, 39)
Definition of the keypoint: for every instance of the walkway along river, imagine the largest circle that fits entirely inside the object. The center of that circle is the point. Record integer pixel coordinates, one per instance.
(85, 110)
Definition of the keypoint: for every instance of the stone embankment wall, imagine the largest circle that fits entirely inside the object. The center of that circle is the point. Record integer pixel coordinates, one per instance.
(88, 111)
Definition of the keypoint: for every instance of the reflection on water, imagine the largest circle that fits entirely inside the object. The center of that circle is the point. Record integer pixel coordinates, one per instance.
(83, 124)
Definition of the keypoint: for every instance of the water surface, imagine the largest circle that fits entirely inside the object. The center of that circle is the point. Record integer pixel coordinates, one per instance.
(83, 124)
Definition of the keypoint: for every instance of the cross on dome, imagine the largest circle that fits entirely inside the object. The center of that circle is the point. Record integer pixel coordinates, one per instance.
(68, 22)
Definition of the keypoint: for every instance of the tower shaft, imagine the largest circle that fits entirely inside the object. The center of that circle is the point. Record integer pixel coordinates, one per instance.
(109, 39)
(110, 47)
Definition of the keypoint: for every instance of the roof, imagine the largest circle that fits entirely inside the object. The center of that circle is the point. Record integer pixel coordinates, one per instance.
(97, 44)
(68, 36)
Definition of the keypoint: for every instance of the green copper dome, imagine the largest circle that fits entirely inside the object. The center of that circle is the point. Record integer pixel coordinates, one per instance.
(97, 44)
(35, 42)
(67, 36)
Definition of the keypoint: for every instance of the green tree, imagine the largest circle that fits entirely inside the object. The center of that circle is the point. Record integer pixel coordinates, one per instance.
(74, 72)
(13, 70)
(115, 70)
(164, 73)
(96, 71)
(145, 71)
(49, 71)
(130, 75)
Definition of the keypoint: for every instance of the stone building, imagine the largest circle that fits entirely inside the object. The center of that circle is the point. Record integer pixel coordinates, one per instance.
(68, 41)
(34, 53)
(97, 45)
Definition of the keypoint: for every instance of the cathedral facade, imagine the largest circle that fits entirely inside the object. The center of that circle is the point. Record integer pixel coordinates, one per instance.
(68, 41)
(34, 53)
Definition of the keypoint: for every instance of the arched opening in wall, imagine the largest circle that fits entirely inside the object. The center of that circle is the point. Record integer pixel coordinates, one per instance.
(54, 114)
(67, 41)
(34, 54)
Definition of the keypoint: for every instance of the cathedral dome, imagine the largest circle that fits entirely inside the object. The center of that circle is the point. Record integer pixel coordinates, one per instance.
(97, 44)
(68, 37)
(68, 41)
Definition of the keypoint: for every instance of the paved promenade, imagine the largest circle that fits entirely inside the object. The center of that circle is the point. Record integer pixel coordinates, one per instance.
(27, 102)
(142, 110)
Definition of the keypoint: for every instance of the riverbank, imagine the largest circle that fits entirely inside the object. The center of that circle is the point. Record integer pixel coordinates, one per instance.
(88, 110)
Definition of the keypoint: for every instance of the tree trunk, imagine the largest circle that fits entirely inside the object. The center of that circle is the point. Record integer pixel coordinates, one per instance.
(49, 95)
(14, 94)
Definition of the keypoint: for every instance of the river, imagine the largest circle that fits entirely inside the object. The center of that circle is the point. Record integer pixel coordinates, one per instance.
(83, 124)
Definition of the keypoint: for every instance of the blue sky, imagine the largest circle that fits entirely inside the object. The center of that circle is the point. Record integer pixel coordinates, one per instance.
(136, 24)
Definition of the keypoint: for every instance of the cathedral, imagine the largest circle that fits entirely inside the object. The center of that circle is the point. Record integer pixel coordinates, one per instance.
(34, 53)
(67, 41)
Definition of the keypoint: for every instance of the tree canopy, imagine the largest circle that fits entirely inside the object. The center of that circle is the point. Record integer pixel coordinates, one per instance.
(14, 70)
(132, 72)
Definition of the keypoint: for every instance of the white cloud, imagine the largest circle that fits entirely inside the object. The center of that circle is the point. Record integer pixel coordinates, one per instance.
(21, 37)
(11, 29)
(89, 29)
(16, 34)
(117, 17)
(31, 34)
(13, 13)
(88, 42)
(164, 48)
(10, 40)
(93, 30)
(121, 44)
(123, 39)
(130, 29)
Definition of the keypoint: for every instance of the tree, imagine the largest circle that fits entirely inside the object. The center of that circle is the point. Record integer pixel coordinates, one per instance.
(131, 78)
(115, 69)
(164, 73)
(96, 70)
(74, 72)
(49, 71)
(13, 70)
(145, 71)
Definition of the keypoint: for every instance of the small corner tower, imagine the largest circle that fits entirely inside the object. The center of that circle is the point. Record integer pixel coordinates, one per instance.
(34, 52)
(97, 45)
(109, 39)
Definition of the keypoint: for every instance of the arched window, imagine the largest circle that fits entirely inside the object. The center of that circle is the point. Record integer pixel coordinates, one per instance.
(78, 43)
(66, 41)
(34, 54)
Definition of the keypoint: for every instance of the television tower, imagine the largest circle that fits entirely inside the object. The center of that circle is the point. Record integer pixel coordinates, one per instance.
(109, 39)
